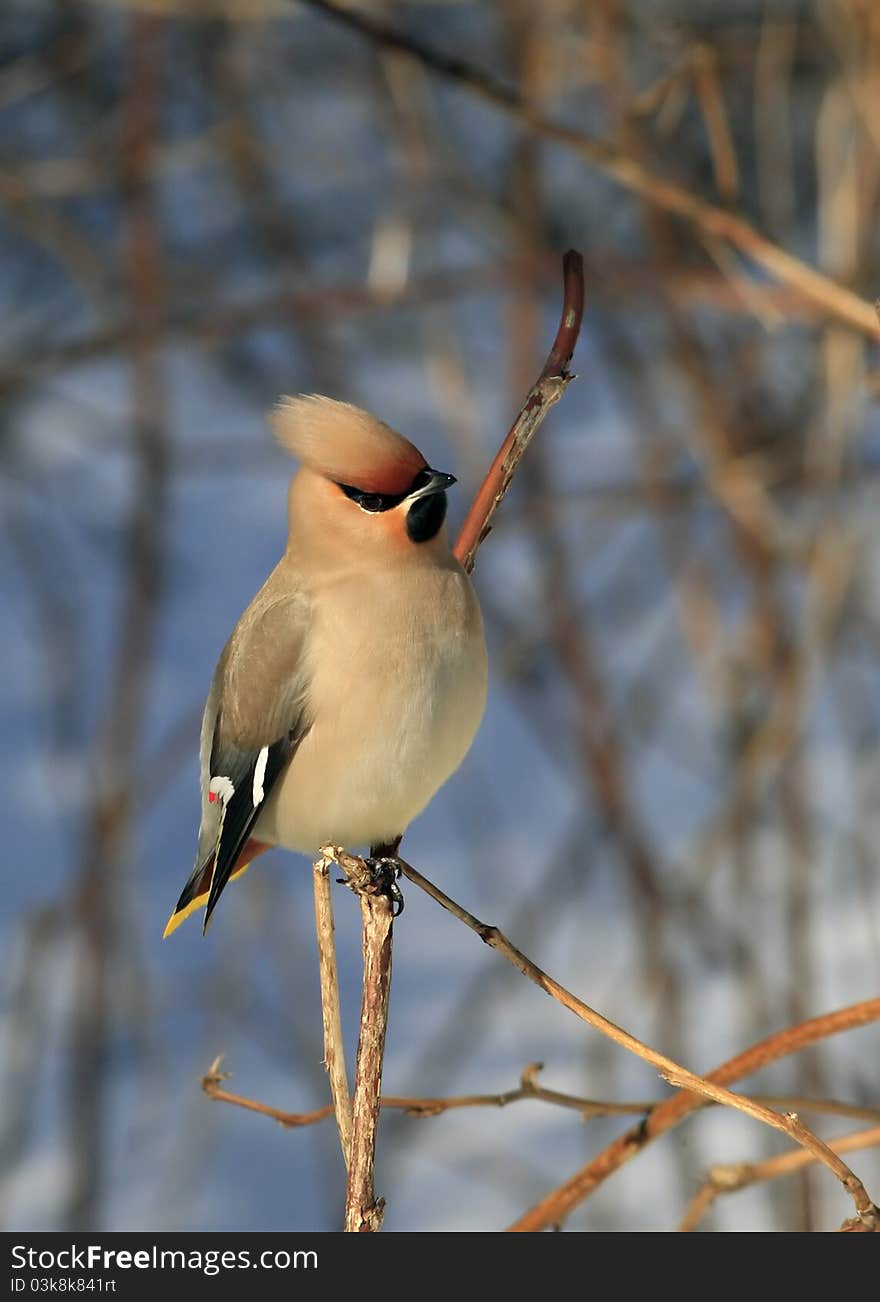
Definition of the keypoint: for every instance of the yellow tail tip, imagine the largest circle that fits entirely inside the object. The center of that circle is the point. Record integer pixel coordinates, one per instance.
(198, 902)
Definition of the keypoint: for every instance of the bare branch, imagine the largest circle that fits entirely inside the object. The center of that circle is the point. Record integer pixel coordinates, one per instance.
(331, 1011)
(528, 1088)
(544, 393)
(728, 1178)
(560, 1202)
(790, 1123)
(363, 1211)
(211, 1084)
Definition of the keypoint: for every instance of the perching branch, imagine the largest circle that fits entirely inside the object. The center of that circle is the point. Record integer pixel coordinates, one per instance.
(363, 1211)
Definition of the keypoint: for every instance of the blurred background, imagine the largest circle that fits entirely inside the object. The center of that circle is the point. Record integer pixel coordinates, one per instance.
(672, 804)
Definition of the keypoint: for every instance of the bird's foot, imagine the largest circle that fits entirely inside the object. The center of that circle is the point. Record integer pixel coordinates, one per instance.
(386, 870)
(376, 875)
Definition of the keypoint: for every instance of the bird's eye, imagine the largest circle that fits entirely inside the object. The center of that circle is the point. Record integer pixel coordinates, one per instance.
(370, 501)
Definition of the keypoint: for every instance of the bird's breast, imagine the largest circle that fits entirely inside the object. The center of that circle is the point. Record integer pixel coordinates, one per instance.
(397, 691)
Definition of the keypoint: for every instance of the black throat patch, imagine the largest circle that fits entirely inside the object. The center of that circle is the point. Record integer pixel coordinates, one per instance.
(425, 516)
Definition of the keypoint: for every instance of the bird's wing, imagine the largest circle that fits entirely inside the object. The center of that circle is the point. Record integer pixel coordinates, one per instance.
(255, 717)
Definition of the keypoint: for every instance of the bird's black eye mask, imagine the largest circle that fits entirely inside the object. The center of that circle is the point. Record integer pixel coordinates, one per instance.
(428, 495)
(387, 501)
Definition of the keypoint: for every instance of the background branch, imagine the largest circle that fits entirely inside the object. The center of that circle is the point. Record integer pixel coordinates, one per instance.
(834, 299)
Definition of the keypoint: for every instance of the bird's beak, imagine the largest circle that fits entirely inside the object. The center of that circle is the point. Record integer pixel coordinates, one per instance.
(438, 482)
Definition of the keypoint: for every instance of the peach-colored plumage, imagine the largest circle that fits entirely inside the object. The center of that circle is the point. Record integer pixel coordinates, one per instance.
(345, 444)
(353, 684)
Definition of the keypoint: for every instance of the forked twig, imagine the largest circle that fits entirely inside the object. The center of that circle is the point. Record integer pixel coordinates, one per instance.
(728, 1178)
(363, 1210)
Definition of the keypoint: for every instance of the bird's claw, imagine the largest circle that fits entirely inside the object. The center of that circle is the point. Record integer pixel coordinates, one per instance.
(379, 877)
(386, 870)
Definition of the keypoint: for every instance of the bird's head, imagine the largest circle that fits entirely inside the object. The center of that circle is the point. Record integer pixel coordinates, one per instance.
(362, 488)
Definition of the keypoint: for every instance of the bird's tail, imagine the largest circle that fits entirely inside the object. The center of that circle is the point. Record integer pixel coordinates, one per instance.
(196, 891)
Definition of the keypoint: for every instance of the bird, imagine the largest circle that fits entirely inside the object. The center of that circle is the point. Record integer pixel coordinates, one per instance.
(354, 683)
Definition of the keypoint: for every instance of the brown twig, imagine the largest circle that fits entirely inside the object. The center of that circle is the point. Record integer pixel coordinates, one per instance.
(544, 393)
(528, 1088)
(729, 1177)
(331, 1011)
(789, 1123)
(363, 1211)
(560, 1202)
(835, 300)
(211, 1084)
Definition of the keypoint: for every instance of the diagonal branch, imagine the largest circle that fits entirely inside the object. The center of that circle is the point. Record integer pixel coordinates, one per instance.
(560, 1202)
(544, 393)
(788, 1123)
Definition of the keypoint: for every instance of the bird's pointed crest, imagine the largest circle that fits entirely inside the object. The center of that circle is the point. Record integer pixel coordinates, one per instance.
(345, 444)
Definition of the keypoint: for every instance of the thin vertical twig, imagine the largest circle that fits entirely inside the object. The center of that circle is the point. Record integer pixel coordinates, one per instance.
(331, 1012)
(363, 1210)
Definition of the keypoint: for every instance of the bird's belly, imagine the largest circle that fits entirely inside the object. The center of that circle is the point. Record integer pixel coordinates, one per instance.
(373, 759)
